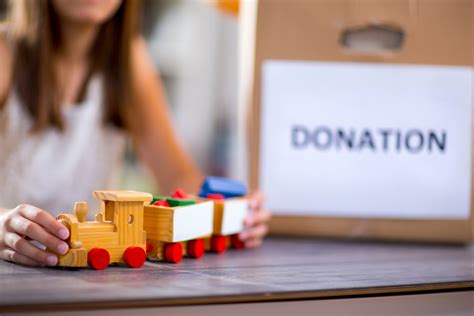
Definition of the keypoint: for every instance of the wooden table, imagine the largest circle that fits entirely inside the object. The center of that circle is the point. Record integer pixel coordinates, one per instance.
(282, 270)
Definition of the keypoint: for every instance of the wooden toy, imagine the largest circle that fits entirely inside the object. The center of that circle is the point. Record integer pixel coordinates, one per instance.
(116, 235)
(230, 210)
(180, 194)
(177, 227)
(223, 186)
(162, 203)
(229, 216)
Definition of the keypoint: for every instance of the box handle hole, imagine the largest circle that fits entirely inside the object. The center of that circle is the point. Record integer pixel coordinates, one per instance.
(373, 39)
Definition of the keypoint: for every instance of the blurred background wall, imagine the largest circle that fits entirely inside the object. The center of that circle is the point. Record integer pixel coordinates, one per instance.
(194, 48)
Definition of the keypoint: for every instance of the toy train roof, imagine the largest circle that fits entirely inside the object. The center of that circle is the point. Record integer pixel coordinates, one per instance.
(123, 196)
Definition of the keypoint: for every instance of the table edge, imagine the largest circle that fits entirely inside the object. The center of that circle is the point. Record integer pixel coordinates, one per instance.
(250, 298)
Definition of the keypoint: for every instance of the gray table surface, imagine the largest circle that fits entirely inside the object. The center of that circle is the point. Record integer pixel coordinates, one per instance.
(281, 269)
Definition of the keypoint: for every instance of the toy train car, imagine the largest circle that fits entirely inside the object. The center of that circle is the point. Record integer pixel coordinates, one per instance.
(229, 216)
(116, 236)
(177, 227)
(230, 210)
(188, 225)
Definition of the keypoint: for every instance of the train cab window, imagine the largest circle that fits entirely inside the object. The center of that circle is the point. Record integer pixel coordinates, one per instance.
(109, 211)
(130, 219)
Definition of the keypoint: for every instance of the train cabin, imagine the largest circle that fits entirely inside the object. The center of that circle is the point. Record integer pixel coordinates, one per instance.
(116, 235)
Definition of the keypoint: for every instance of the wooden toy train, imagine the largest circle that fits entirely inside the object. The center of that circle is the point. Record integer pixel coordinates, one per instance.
(128, 229)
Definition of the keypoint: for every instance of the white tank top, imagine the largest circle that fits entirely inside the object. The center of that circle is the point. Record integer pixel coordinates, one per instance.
(53, 169)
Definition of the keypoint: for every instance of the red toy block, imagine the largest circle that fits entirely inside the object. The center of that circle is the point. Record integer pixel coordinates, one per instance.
(215, 196)
(179, 194)
(162, 203)
(195, 248)
(173, 252)
(236, 243)
(218, 243)
(134, 256)
(98, 258)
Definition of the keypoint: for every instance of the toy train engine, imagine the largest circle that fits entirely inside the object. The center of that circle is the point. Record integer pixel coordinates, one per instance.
(116, 235)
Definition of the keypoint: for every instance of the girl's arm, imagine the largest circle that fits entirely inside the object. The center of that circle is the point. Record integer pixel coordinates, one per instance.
(159, 148)
(154, 137)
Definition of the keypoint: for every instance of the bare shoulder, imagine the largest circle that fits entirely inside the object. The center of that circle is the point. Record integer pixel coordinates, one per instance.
(6, 63)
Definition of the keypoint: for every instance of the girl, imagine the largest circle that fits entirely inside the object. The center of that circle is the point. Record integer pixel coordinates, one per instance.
(75, 80)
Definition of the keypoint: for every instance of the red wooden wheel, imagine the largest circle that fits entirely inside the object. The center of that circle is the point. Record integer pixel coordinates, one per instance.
(149, 247)
(218, 243)
(173, 252)
(134, 256)
(236, 243)
(98, 258)
(195, 248)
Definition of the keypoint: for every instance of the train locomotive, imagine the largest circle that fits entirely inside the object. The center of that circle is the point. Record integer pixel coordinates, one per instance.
(116, 235)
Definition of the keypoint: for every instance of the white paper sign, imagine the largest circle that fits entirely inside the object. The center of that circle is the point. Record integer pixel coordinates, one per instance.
(366, 140)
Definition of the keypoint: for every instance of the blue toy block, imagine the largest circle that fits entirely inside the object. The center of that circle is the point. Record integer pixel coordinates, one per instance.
(227, 187)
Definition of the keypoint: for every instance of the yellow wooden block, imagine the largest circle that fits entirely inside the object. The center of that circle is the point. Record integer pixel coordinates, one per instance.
(74, 258)
(158, 222)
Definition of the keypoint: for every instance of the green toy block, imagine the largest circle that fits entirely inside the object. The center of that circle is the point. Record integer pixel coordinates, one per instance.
(179, 202)
(157, 198)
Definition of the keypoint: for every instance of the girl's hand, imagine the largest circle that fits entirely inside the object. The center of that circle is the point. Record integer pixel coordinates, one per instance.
(26, 221)
(256, 222)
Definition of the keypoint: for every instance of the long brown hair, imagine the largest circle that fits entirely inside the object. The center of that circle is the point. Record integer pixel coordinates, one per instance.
(34, 30)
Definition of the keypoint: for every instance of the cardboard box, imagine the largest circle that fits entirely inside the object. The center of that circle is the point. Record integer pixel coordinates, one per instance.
(408, 45)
